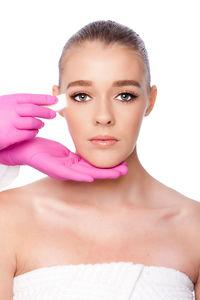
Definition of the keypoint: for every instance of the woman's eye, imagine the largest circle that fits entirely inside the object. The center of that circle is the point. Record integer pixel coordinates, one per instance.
(132, 97)
(82, 98)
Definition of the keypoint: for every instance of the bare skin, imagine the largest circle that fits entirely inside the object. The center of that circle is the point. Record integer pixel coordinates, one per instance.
(52, 228)
(132, 218)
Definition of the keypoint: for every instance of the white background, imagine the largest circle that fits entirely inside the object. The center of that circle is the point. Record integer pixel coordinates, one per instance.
(33, 34)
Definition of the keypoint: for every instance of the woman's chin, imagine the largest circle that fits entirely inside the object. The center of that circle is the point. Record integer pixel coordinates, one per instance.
(102, 165)
(103, 161)
(98, 163)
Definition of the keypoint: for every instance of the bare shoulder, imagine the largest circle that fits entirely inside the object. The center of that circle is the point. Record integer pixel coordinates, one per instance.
(17, 205)
(20, 204)
(12, 209)
(15, 217)
(194, 225)
(190, 224)
(171, 198)
(8, 229)
(189, 208)
(195, 233)
(191, 211)
(192, 219)
(15, 208)
(11, 204)
(8, 205)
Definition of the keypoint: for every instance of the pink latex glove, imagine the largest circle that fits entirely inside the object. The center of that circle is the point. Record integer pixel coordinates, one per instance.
(17, 112)
(57, 161)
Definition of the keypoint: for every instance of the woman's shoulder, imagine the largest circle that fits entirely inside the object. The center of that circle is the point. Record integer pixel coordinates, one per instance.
(8, 261)
(9, 203)
(185, 209)
(189, 222)
(16, 206)
(189, 208)
(21, 205)
(169, 197)
(192, 226)
(16, 221)
(191, 212)
(12, 210)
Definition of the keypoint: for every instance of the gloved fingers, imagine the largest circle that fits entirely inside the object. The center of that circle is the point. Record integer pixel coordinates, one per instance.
(70, 174)
(76, 162)
(24, 135)
(57, 168)
(27, 123)
(32, 110)
(60, 171)
(96, 172)
(41, 99)
(122, 168)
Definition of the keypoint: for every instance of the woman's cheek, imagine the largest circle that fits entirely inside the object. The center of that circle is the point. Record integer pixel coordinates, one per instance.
(76, 127)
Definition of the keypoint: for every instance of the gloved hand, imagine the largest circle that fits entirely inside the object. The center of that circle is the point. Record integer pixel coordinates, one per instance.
(57, 161)
(17, 112)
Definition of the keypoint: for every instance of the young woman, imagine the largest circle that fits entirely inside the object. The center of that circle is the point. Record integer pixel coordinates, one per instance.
(129, 237)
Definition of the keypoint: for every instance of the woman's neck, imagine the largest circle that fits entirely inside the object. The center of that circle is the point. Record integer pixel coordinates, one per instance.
(131, 187)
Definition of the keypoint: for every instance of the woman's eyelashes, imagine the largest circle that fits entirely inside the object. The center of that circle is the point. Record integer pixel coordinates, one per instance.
(131, 97)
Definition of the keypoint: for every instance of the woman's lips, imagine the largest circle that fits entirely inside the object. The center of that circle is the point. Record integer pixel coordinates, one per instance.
(103, 143)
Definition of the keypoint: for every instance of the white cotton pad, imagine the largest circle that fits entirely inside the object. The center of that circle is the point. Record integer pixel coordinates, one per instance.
(61, 104)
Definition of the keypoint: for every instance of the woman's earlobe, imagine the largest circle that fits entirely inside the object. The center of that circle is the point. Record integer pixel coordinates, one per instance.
(55, 90)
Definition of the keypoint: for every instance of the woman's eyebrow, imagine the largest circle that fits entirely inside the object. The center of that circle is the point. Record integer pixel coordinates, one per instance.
(117, 83)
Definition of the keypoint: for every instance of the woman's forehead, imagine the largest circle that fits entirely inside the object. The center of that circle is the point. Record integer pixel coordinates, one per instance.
(94, 62)
(100, 52)
(102, 61)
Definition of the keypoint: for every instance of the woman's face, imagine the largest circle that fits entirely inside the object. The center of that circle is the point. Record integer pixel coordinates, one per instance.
(103, 108)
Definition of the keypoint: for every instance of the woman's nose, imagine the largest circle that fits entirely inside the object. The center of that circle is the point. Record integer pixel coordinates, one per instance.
(104, 112)
(103, 122)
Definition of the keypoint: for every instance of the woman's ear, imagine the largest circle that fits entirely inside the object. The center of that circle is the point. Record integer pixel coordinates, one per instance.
(152, 99)
(55, 90)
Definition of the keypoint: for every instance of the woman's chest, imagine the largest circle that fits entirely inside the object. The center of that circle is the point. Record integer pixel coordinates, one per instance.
(96, 237)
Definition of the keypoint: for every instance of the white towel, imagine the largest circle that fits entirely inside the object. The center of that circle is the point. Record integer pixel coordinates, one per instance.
(104, 281)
